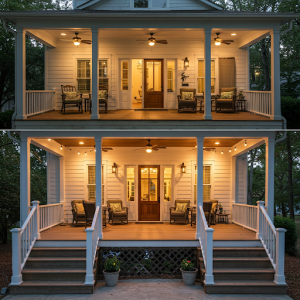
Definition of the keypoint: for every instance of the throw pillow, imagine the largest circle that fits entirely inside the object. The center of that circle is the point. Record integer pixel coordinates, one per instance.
(181, 207)
(79, 208)
(227, 95)
(116, 207)
(102, 94)
(70, 95)
(187, 95)
(213, 207)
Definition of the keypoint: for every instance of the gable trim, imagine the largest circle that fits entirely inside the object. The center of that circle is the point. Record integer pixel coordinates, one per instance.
(208, 2)
(87, 4)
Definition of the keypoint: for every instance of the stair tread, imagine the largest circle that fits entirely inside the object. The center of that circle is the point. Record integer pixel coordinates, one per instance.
(53, 283)
(60, 270)
(58, 258)
(246, 283)
(237, 258)
(58, 248)
(244, 270)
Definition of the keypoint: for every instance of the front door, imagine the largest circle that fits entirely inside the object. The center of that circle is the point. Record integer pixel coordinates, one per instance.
(149, 193)
(154, 83)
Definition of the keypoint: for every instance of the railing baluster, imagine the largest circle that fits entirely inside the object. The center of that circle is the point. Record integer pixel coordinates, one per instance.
(39, 101)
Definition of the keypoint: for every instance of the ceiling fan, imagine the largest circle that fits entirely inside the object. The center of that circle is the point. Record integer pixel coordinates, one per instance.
(106, 149)
(152, 41)
(218, 40)
(150, 148)
(77, 40)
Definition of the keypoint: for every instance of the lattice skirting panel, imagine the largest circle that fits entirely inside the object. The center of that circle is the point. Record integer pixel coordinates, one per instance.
(148, 262)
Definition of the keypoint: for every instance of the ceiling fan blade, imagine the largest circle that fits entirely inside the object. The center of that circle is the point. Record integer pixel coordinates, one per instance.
(155, 149)
(141, 41)
(107, 149)
(162, 42)
(139, 149)
(228, 41)
(89, 42)
(161, 147)
(66, 40)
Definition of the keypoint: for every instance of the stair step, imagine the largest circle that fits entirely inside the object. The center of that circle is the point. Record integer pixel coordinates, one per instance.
(53, 274)
(58, 252)
(55, 262)
(239, 252)
(57, 287)
(245, 287)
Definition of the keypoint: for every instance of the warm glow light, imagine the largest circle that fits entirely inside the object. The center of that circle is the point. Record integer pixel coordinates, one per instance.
(81, 143)
(217, 43)
(60, 147)
(114, 168)
(233, 34)
(186, 62)
(49, 140)
(217, 143)
(78, 153)
(196, 146)
(245, 143)
(234, 148)
(149, 150)
(222, 152)
(183, 168)
(63, 34)
(85, 153)
(229, 150)
(76, 43)
(151, 43)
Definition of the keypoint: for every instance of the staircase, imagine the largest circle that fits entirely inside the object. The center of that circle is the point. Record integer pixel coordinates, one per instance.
(241, 271)
(55, 271)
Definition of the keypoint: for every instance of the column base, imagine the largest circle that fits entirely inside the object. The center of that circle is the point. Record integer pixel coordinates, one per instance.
(16, 280)
(89, 279)
(95, 117)
(279, 279)
(197, 236)
(207, 117)
(209, 279)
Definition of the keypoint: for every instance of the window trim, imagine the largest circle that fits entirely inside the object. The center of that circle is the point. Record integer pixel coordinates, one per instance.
(150, 6)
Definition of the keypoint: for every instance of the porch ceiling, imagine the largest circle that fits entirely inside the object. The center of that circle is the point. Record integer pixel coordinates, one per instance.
(142, 142)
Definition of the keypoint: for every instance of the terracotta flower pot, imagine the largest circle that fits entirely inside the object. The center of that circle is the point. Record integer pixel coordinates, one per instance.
(111, 278)
(189, 277)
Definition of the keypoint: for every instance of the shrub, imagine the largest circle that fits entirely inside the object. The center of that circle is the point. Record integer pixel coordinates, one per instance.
(5, 119)
(290, 109)
(112, 264)
(187, 265)
(291, 234)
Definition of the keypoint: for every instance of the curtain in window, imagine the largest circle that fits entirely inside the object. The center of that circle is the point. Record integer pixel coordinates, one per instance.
(227, 72)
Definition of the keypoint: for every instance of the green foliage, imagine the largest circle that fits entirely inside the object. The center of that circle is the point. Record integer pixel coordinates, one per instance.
(112, 264)
(290, 109)
(5, 119)
(291, 234)
(187, 265)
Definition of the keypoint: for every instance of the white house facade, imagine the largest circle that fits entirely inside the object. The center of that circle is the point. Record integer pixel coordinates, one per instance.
(139, 147)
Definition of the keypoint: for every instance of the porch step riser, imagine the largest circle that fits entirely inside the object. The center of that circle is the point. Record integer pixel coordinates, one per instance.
(238, 253)
(238, 289)
(58, 253)
(236, 264)
(242, 277)
(54, 277)
(55, 265)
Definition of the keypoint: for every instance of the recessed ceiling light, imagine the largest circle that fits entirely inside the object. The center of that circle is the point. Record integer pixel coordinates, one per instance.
(233, 34)
(49, 140)
(81, 143)
(217, 143)
(63, 34)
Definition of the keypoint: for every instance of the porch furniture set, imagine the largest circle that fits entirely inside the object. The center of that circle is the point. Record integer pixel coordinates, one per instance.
(73, 99)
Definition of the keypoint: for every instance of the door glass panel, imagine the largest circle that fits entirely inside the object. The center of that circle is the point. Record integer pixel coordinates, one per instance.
(171, 76)
(124, 75)
(157, 76)
(144, 173)
(130, 184)
(153, 189)
(145, 189)
(167, 184)
(150, 76)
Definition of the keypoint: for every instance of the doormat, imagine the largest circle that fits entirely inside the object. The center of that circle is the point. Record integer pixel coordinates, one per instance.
(149, 222)
(151, 109)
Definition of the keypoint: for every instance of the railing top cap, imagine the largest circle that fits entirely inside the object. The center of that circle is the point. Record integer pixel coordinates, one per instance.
(16, 230)
(281, 229)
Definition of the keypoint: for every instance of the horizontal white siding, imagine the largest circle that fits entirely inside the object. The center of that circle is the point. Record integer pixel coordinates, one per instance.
(187, 5)
(53, 179)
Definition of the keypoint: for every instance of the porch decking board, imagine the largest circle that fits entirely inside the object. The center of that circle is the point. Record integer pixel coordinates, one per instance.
(132, 231)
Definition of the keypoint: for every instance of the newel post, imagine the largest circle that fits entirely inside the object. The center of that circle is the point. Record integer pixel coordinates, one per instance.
(259, 219)
(16, 278)
(89, 277)
(36, 204)
(279, 277)
(209, 277)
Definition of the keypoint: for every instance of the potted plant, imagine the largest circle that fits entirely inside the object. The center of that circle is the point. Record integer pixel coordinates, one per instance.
(241, 95)
(188, 272)
(220, 208)
(111, 271)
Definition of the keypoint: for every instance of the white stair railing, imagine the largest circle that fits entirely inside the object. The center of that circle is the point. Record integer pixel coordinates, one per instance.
(244, 215)
(23, 240)
(92, 238)
(206, 244)
(273, 240)
(40, 101)
(259, 102)
(51, 215)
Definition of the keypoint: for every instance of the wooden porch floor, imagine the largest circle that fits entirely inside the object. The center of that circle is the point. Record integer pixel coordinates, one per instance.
(132, 231)
(130, 114)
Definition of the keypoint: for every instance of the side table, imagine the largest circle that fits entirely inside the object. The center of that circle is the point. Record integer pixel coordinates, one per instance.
(242, 104)
(223, 218)
(104, 217)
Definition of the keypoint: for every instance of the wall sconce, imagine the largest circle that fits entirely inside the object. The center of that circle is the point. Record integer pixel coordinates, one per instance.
(234, 148)
(114, 168)
(245, 143)
(186, 63)
(60, 147)
(183, 168)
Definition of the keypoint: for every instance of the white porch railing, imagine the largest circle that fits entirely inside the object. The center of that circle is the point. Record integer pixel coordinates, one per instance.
(206, 244)
(259, 102)
(92, 237)
(245, 215)
(39, 101)
(51, 215)
(23, 240)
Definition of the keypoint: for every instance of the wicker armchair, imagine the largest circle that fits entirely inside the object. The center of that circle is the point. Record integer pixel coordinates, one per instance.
(78, 215)
(70, 97)
(207, 212)
(228, 104)
(89, 208)
(213, 214)
(182, 217)
(187, 100)
(115, 216)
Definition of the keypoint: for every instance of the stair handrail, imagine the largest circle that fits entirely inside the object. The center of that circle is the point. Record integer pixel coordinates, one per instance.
(23, 240)
(92, 238)
(273, 240)
(206, 244)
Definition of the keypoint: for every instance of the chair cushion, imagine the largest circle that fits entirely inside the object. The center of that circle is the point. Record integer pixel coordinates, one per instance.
(102, 100)
(103, 94)
(225, 101)
(79, 208)
(181, 207)
(187, 95)
(177, 214)
(120, 214)
(213, 207)
(71, 95)
(116, 207)
(227, 95)
(73, 101)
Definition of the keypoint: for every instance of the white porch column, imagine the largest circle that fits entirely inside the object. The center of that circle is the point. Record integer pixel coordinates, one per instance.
(95, 74)
(207, 76)
(275, 74)
(199, 183)
(24, 179)
(269, 178)
(99, 181)
(20, 69)
(61, 179)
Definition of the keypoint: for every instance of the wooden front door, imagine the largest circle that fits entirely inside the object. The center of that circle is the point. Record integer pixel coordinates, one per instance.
(149, 193)
(154, 83)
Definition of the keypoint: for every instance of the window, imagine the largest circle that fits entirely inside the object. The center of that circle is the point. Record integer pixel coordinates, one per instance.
(171, 76)
(124, 75)
(168, 184)
(206, 183)
(130, 184)
(149, 3)
(140, 3)
(84, 75)
(201, 74)
(92, 183)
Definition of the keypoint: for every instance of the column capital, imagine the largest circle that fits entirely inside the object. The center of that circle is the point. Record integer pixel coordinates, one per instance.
(200, 139)
(207, 30)
(94, 30)
(98, 139)
(20, 30)
(275, 31)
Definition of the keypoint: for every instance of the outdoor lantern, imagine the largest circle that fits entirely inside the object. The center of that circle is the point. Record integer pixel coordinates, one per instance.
(186, 62)
(234, 148)
(245, 143)
(183, 168)
(114, 168)
(60, 147)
